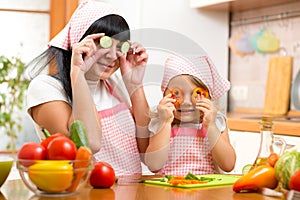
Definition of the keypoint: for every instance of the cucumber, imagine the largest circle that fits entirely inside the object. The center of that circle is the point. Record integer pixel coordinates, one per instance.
(105, 42)
(125, 46)
(78, 134)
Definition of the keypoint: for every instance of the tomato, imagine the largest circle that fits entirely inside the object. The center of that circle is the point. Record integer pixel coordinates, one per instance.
(61, 148)
(295, 181)
(32, 151)
(46, 141)
(102, 176)
(272, 159)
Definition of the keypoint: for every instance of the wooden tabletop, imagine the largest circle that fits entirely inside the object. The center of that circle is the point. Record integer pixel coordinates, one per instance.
(16, 190)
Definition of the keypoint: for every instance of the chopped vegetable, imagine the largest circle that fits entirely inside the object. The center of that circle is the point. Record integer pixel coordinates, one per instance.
(188, 179)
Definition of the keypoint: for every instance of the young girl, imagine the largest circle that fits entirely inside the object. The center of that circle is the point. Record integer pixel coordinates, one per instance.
(188, 134)
(92, 83)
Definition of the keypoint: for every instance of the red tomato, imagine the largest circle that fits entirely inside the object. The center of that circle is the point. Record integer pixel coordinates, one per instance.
(272, 159)
(61, 148)
(102, 176)
(32, 151)
(46, 141)
(295, 181)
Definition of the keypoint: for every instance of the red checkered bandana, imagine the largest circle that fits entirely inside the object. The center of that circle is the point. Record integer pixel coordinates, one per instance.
(83, 17)
(200, 67)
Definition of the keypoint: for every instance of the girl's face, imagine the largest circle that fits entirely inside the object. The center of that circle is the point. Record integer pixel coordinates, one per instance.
(106, 64)
(186, 111)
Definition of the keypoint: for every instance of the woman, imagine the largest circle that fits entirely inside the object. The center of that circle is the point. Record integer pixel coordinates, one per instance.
(95, 85)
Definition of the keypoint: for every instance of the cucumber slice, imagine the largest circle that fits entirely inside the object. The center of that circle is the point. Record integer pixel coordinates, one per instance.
(246, 169)
(125, 46)
(105, 42)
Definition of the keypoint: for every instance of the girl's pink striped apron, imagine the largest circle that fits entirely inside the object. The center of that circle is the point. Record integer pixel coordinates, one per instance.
(188, 152)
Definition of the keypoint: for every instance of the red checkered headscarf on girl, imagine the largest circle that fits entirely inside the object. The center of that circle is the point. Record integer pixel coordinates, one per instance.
(83, 17)
(199, 66)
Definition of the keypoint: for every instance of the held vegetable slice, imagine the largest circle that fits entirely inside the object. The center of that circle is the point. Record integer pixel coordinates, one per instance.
(200, 91)
(125, 46)
(178, 95)
(262, 176)
(105, 42)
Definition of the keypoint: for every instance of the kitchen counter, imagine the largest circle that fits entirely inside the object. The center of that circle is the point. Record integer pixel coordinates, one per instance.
(248, 120)
(16, 190)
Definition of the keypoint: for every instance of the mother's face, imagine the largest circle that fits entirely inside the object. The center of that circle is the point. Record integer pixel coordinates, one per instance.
(106, 64)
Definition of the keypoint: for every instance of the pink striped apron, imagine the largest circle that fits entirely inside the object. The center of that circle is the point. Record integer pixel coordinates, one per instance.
(188, 152)
(119, 145)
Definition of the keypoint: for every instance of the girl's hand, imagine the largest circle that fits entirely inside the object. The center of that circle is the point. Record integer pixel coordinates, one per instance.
(166, 109)
(133, 65)
(207, 108)
(85, 53)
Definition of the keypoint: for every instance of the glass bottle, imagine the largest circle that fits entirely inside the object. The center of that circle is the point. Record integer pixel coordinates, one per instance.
(267, 142)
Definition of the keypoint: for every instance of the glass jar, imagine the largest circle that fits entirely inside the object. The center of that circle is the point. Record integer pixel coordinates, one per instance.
(268, 143)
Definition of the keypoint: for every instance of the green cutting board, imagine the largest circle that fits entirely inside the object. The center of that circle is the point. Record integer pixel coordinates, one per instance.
(219, 180)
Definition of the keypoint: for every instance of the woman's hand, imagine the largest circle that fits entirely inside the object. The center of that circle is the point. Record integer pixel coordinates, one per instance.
(85, 53)
(133, 65)
(166, 109)
(207, 109)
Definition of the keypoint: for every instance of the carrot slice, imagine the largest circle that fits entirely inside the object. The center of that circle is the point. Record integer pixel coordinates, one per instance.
(82, 160)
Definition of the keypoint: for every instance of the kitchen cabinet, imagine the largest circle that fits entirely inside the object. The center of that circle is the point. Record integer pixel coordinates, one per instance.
(235, 5)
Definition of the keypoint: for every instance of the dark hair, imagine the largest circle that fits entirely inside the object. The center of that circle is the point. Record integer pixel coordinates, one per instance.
(112, 25)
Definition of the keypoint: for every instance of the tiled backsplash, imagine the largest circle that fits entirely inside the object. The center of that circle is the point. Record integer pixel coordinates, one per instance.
(248, 73)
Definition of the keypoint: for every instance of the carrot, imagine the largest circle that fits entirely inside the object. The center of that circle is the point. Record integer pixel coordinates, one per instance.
(82, 160)
(183, 181)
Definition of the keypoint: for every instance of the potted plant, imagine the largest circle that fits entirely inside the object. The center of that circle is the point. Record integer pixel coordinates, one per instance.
(13, 86)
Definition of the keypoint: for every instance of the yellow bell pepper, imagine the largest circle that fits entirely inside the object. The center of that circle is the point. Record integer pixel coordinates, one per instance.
(51, 175)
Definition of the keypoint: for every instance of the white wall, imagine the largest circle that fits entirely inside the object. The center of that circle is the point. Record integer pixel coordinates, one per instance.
(208, 29)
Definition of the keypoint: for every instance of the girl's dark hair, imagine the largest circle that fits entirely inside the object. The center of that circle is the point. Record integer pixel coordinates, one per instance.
(112, 25)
